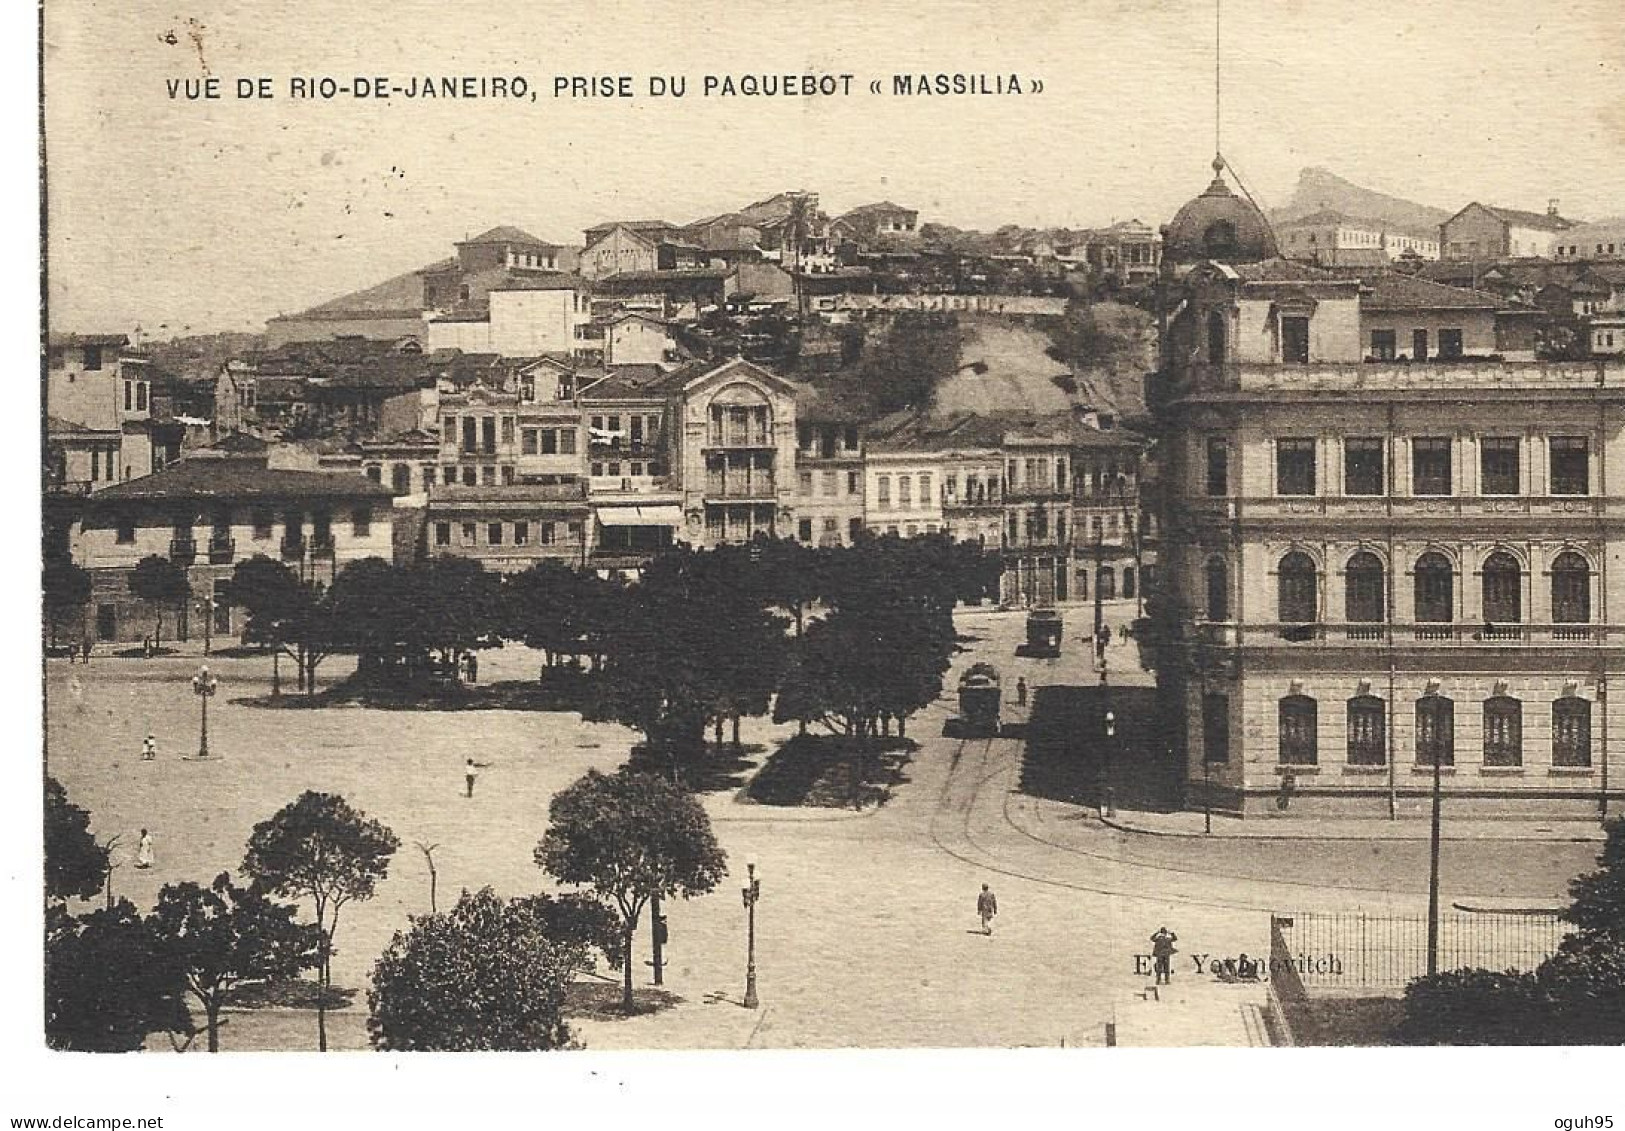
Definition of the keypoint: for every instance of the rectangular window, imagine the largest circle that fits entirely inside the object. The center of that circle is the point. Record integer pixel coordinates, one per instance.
(1450, 346)
(1363, 472)
(1430, 465)
(883, 490)
(567, 441)
(93, 358)
(549, 442)
(521, 533)
(129, 396)
(1503, 732)
(1294, 467)
(527, 442)
(471, 429)
(1215, 727)
(854, 528)
(442, 534)
(1295, 341)
(1299, 716)
(1367, 731)
(925, 490)
(493, 533)
(125, 530)
(854, 483)
(1571, 733)
(804, 529)
(508, 474)
(488, 476)
(548, 532)
(829, 481)
(471, 476)
(1571, 465)
(488, 434)
(1498, 465)
(1218, 466)
(361, 522)
(804, 483)
(1382, 345)
(262, 525)
(905, 492)
(1419, 345)
(507, 429)
(470, 533)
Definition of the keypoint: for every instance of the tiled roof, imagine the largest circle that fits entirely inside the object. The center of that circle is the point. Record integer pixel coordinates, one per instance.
(627, 382)
(1393, 291)
(559, 282)
(1282, 271)
(232, 477)
(876, 209)
(68, 341)
(56, 426)
(1522, 219)
(452, 494)
(505, 234)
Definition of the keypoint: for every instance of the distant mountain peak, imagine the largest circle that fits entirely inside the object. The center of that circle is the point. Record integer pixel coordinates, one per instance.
(1319, 190)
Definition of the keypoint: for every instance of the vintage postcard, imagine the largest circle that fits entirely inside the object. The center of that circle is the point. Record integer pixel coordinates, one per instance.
(717, 527)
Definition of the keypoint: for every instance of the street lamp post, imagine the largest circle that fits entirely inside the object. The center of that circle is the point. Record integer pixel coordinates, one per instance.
(1433, 861)
(205, 608)
(751, 892)
(204, 685)
(1111, 741)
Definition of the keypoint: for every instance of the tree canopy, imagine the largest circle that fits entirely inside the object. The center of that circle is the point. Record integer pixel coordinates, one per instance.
(109, 981)
(223, 936)
(629, 837)
(75, 865)
(488, 976)
(161, 582)
(318, 847)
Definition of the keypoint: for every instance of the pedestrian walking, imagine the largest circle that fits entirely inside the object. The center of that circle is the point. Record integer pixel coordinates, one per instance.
(149, 749)
(1021, 692)
(473, 668)
(1162, 954)
(987, 906)
(471, 770)
(84, 649)
(143, 850)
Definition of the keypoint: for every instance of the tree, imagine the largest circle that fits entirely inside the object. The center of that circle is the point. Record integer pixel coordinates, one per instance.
(1599, 897)
(161, 582)
(292, 616)
(75, 865)
(490, 976)
(109, 981)
(319, 848)
(918, 352)
(66, 588)
(223, 936)
(631, 837)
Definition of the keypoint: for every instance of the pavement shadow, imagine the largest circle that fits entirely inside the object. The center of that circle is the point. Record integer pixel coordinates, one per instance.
(828, 771)
(288, 993)
(601, 1001)
(1068, 756)
(714, 769)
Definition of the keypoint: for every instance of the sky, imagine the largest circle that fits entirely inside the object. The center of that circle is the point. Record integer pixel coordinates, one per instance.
(182, 216)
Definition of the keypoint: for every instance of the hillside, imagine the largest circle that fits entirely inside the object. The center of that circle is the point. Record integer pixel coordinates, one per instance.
(1318, 189)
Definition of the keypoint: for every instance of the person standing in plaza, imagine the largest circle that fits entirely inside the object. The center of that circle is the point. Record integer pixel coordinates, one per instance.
(84, 649)
(473, 668)
(1162, 954)
(149, 748)
(1021, 692)
(987, 906)
(471, 770)
(143, 850)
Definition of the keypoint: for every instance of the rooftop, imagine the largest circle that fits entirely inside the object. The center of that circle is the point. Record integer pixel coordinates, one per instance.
(507, 234)
(241, 477)
(1390, 290)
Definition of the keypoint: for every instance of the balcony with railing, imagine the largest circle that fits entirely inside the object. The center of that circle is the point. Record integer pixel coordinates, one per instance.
(741, 485)
(222, 549)
(182, 551)
(1424, 635)
(293, 547)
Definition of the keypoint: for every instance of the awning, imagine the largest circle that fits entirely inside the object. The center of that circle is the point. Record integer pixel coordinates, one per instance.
(641, 516)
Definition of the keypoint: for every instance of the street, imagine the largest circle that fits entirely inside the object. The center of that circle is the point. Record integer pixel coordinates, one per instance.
(866, 929)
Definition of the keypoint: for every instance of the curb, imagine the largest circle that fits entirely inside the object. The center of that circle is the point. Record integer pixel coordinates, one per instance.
(1139, 830)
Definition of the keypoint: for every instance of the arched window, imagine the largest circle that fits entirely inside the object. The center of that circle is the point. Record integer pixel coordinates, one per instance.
(1571, 589)
(1503, 731)
(1295, 584)
(1435, 731)
(1364, 596)
(1298, 717)
(1571, 732)
(1216, 337)
(1435, 589)
(1218, 589)
(1368, 731)
(1503, 589)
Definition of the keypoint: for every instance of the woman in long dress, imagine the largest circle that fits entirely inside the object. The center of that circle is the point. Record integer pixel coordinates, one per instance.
(143, 850)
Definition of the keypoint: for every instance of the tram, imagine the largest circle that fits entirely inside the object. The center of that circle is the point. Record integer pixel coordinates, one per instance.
(979, 690)
(1044, 632)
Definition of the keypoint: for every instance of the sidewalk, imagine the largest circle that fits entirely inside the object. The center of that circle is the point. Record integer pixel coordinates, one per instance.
(1195, 1013)
(1191, 824)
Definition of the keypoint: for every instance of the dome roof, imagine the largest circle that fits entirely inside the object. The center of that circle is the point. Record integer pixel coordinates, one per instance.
(1219, 225)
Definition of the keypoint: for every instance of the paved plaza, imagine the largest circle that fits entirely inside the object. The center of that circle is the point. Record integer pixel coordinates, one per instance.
(866, 930)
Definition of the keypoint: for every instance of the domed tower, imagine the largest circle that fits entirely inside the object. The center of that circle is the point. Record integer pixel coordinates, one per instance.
(1218, 225)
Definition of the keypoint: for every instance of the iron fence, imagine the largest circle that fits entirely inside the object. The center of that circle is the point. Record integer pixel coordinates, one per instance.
(1384, 951)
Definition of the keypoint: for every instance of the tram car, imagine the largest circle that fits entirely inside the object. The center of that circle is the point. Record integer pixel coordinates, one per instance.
(979, 690)
(1044, 632)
